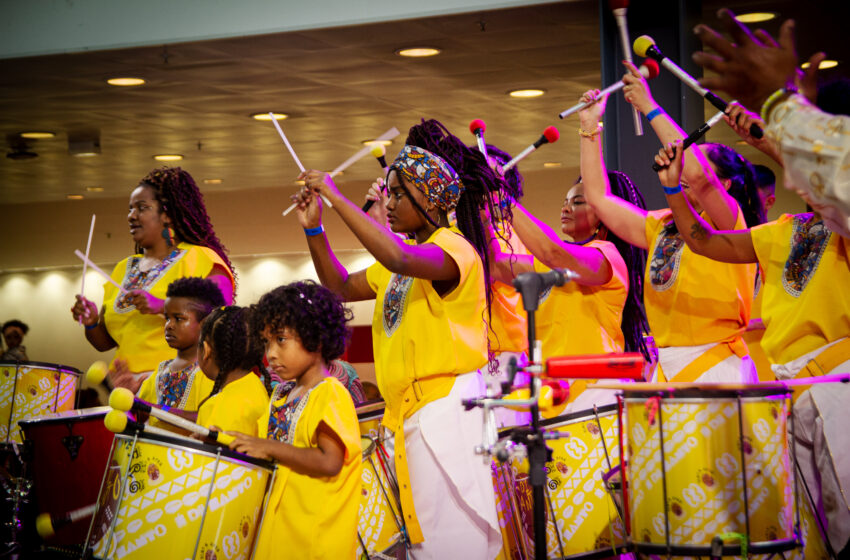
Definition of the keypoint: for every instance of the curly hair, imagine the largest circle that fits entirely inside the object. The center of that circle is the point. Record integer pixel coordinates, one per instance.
(227, 332)
(181, 200)
(15, 323)
(733, 166)
(204, 294)
(314, 312)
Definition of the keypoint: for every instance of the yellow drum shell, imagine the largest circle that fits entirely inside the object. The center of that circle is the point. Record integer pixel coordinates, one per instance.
(33, 389)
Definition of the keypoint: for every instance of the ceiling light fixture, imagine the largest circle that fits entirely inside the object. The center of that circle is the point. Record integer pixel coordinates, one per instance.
(418, 52)
(756, 17)
(265, 116)
(37, 135)
(168, 157)
(125, 82)
(84, 147)
(824, 64)
(377, 142)
(552, 164)
(524, 93)
(94, 189)
(212, 181)
(74, 196)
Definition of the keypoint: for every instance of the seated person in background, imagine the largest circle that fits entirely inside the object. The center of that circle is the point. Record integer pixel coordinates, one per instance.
(13, 334)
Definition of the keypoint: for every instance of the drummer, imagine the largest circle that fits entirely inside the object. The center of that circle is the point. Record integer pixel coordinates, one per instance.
(174, 238)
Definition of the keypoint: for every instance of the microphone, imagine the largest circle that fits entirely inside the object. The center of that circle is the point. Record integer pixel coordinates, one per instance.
(596, 366)
(379, 151)
(645, 46)
(693, 137)
(618, 7)
(530, 284)
(549, 136)
(649, 70)
(478, 127)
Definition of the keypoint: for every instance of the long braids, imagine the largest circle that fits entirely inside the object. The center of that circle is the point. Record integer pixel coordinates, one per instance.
(227, 332)
(180, 198)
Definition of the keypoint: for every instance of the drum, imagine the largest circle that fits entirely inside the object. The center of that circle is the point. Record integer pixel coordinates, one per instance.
(173, 497)
(30, 389)
(582, 520)
(380, 528)
(66, 452)
(710, 463)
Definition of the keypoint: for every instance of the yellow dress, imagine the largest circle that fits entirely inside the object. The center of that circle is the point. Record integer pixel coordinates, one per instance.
(806, 301)
(508, 327)
(237, 407)
(313, 518)
(184, 389)
(423, 341)
(140, 337)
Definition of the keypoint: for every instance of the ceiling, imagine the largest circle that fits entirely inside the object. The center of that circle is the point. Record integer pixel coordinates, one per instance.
(340, 86)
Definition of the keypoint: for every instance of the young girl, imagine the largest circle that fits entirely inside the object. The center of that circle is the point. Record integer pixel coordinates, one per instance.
(310, 427)
(227, 354)
(428, 330)
(178, 382)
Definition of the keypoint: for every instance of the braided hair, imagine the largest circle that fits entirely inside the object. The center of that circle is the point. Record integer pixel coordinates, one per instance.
(226, 331)
(181, 200)
(733, 166)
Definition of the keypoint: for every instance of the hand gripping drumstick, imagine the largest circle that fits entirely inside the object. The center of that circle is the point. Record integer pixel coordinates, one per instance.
(645, 46)
(618, 7)
(649, 70)
(293, 154)
(550, 135)
(123, 400)
(100, 271)
(88, 248)
(46, 524)
(694, 136)
(380, 152)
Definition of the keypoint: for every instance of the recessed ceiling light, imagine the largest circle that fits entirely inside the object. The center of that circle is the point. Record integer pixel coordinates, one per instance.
(125, 81)
(265, 116)
(74, 196)
(300, 182)
(212, 181)
(552, 164)
(37, 135)
(741, 142)
(377, 142)
(418, 52)
(85, 154)
(824, 64)
(168, 157)
(526, 93)
(94, 189)
(756, 17)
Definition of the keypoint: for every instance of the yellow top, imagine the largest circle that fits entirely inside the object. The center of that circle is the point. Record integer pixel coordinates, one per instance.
(508, 327)
(237, 407)
(690, 299)
(806, 303)
(313, 518)
(140, 337)
(422, 341)
(183, 389)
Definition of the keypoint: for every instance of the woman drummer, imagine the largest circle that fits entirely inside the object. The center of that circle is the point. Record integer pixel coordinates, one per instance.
(174, 239)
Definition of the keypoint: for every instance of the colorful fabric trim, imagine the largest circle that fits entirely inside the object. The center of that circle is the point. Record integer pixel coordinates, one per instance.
(431, 174)
(808, 242)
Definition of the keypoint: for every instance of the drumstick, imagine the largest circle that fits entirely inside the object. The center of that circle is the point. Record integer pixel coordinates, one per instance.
(294, 156)
(88, 248)
(86, 260)
(46, 525)
(123, 399)
(116, 421)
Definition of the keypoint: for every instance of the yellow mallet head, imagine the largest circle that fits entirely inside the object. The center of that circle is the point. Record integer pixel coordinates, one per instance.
(96, 373)
(642, 44)
(378, 150)
(44, 526)
(115, 421)
(121, 399)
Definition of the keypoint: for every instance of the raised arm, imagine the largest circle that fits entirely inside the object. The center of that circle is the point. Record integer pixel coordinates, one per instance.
(698, 174)
(626, 220)
(504, 266)
(734, 246)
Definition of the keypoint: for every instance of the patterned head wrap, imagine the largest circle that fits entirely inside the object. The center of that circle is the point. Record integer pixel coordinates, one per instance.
(431, 174)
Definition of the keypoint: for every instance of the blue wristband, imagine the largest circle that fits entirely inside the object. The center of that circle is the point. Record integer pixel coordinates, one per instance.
(310, 232)
(673, 190)
(90, 327)
(654, 113)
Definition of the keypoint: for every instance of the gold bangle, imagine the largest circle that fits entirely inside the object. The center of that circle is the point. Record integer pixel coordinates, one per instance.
(592, 134)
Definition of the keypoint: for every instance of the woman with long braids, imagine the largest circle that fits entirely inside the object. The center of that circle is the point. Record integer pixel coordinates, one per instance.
(429, 330)
(697, 308)
(174, 239)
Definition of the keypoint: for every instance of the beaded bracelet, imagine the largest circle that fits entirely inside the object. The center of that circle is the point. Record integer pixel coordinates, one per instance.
(779, 95)
(90, 327)
(592, 134)
(654, 113)
(673, 190)
(310, 232)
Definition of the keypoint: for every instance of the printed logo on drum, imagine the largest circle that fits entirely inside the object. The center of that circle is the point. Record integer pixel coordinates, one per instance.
(706, 477)
(209, 551)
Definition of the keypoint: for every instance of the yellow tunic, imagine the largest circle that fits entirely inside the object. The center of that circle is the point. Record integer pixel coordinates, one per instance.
(315, 518)
(140, 337)
(237, 407)
(422, 341)
(806, 301)
(692, 300)
(508, 327)
(184, 389)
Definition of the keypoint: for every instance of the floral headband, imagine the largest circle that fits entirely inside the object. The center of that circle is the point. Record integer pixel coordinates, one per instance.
(431, 174)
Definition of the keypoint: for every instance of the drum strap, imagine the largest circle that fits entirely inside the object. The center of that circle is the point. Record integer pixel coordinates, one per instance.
(823, 363)
(707, 360)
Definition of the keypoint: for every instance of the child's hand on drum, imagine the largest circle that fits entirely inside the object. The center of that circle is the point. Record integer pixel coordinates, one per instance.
(119, 375)
(85, 310)
(249, 445)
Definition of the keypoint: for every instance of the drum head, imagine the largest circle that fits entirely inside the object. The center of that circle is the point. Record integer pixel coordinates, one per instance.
(77, 415)
(43, 365)
(199, 446)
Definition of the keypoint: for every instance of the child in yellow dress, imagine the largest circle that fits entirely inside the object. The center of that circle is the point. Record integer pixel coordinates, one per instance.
(310, 428)
(227, 354)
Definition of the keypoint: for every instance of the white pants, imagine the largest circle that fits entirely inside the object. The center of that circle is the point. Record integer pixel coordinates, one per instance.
(673, 359)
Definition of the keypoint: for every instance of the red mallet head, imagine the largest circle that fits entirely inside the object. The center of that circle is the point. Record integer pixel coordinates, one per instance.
(618, 4)
(651, 68)
(551, 133)
(477, 127)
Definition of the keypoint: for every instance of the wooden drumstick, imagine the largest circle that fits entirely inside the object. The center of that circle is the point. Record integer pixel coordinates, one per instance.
(294, 156)
(124, 400)
(85, 263)
(100, 271)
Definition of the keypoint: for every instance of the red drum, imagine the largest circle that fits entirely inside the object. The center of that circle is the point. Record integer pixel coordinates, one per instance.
(68, 452)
